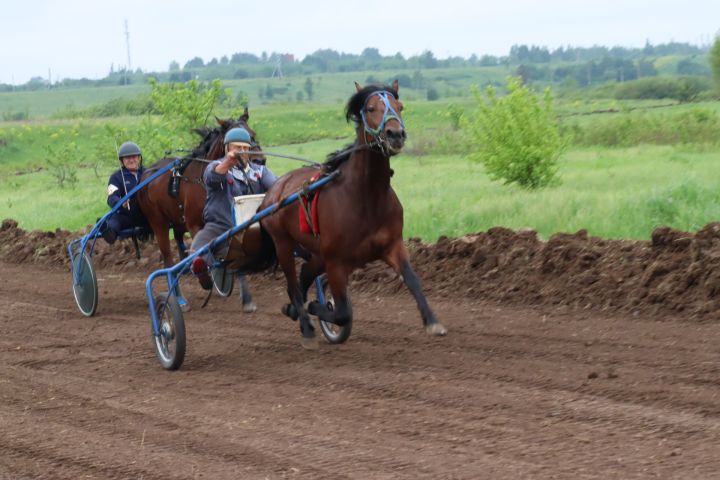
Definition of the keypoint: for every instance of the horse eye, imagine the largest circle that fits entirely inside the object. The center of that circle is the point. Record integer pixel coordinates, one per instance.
(371, 109)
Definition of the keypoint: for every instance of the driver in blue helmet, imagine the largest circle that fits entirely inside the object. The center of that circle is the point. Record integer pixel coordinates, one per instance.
(120, 183)
(233, 175)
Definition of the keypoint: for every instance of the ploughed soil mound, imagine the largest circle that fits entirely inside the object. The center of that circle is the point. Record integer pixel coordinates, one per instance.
(674, 272)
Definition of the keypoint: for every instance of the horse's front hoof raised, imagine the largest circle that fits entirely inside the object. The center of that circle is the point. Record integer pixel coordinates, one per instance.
(436, 330)
(310, 343)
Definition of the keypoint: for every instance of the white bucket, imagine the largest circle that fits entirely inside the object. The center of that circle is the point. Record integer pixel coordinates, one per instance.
(246, 206)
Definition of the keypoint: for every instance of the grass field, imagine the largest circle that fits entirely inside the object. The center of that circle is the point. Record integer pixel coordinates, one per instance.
(621, 192)
(613, 193)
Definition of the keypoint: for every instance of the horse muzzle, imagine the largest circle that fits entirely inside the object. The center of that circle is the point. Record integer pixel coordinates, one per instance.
(395, 140)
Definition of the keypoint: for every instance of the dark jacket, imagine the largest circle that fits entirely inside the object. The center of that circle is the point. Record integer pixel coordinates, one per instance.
(119, 185)
(221, 190)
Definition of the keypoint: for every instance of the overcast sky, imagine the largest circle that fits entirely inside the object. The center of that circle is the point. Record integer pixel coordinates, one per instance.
(82, 38)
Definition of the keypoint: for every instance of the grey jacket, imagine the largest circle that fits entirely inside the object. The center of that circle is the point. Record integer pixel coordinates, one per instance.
(221, 190)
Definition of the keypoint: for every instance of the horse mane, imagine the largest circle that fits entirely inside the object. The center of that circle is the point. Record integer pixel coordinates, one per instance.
(338, 157)
(357, 101)
(208, 135)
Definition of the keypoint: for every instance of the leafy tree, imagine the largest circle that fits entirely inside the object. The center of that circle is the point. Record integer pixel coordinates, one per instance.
(371, 54)
(196, 62)
(308, 87)
(428, 60)
(516, 137)
(174, 66)
(185, 106)
(242, 57)
(715, 61)
(432, 94)
(242, 99)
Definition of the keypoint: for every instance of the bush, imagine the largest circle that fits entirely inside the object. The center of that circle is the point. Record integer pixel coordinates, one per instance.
(683, 89)
(10, 116)
(516, 136)
(693, 126)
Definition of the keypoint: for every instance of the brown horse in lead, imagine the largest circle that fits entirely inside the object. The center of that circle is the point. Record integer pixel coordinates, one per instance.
(360, 218)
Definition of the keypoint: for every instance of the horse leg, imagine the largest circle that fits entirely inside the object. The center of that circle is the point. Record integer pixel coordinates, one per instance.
(310, 269)
(398, 259)
(337, 275)
(287, 263)
(180, 242)
(248, 306)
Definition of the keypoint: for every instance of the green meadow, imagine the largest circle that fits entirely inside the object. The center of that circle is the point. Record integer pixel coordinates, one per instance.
(650, 163)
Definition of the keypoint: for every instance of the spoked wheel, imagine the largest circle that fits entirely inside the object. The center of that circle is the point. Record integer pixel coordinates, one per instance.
(333, 333)
(170, 342)
(84, 284)
(223, 280)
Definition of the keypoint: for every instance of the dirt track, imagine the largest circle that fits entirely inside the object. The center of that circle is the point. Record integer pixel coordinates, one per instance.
(511, 392)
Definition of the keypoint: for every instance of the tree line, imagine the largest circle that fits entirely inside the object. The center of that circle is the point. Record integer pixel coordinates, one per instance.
(585, 65)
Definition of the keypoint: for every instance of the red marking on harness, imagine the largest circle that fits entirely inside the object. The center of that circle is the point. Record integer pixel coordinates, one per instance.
(304, 226)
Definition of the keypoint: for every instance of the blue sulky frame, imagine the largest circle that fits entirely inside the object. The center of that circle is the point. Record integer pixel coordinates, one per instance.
(173, 273)
(77, 248)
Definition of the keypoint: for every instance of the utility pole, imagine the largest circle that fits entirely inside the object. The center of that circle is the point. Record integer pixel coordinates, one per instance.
(277, 72)
(127, 44)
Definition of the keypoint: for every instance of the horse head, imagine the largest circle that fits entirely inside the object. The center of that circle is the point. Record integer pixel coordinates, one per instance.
(376, 109)
(213, 139)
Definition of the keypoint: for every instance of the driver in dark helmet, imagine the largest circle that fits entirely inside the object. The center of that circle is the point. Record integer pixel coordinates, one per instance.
(119, 184)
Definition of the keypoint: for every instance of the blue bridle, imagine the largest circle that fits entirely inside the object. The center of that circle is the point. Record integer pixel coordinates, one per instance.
(389, 114)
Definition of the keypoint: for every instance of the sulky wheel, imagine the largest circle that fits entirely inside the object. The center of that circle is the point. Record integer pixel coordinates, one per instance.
(84, 284)
(223, 280)
(170, 342)
(333, 333)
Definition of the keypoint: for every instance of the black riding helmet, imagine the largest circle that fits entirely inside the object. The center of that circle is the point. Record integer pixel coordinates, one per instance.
(128, 149)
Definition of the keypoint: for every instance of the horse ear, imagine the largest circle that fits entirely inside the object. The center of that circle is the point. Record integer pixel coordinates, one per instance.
(358, 87)
(245, 115)
(395, 85)
(220, 121)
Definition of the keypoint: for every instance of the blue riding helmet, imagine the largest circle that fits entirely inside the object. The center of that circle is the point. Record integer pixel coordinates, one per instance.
(237, 134)
(128, 149)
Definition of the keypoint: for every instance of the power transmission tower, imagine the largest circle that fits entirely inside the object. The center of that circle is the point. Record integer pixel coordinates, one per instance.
(277, 72)
(127, 44)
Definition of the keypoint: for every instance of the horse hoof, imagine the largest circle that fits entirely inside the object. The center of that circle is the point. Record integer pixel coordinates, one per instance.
(249, 307)
(436, 330)
(310, 343)
(289, 311)
(185, 307)
(314, 307)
